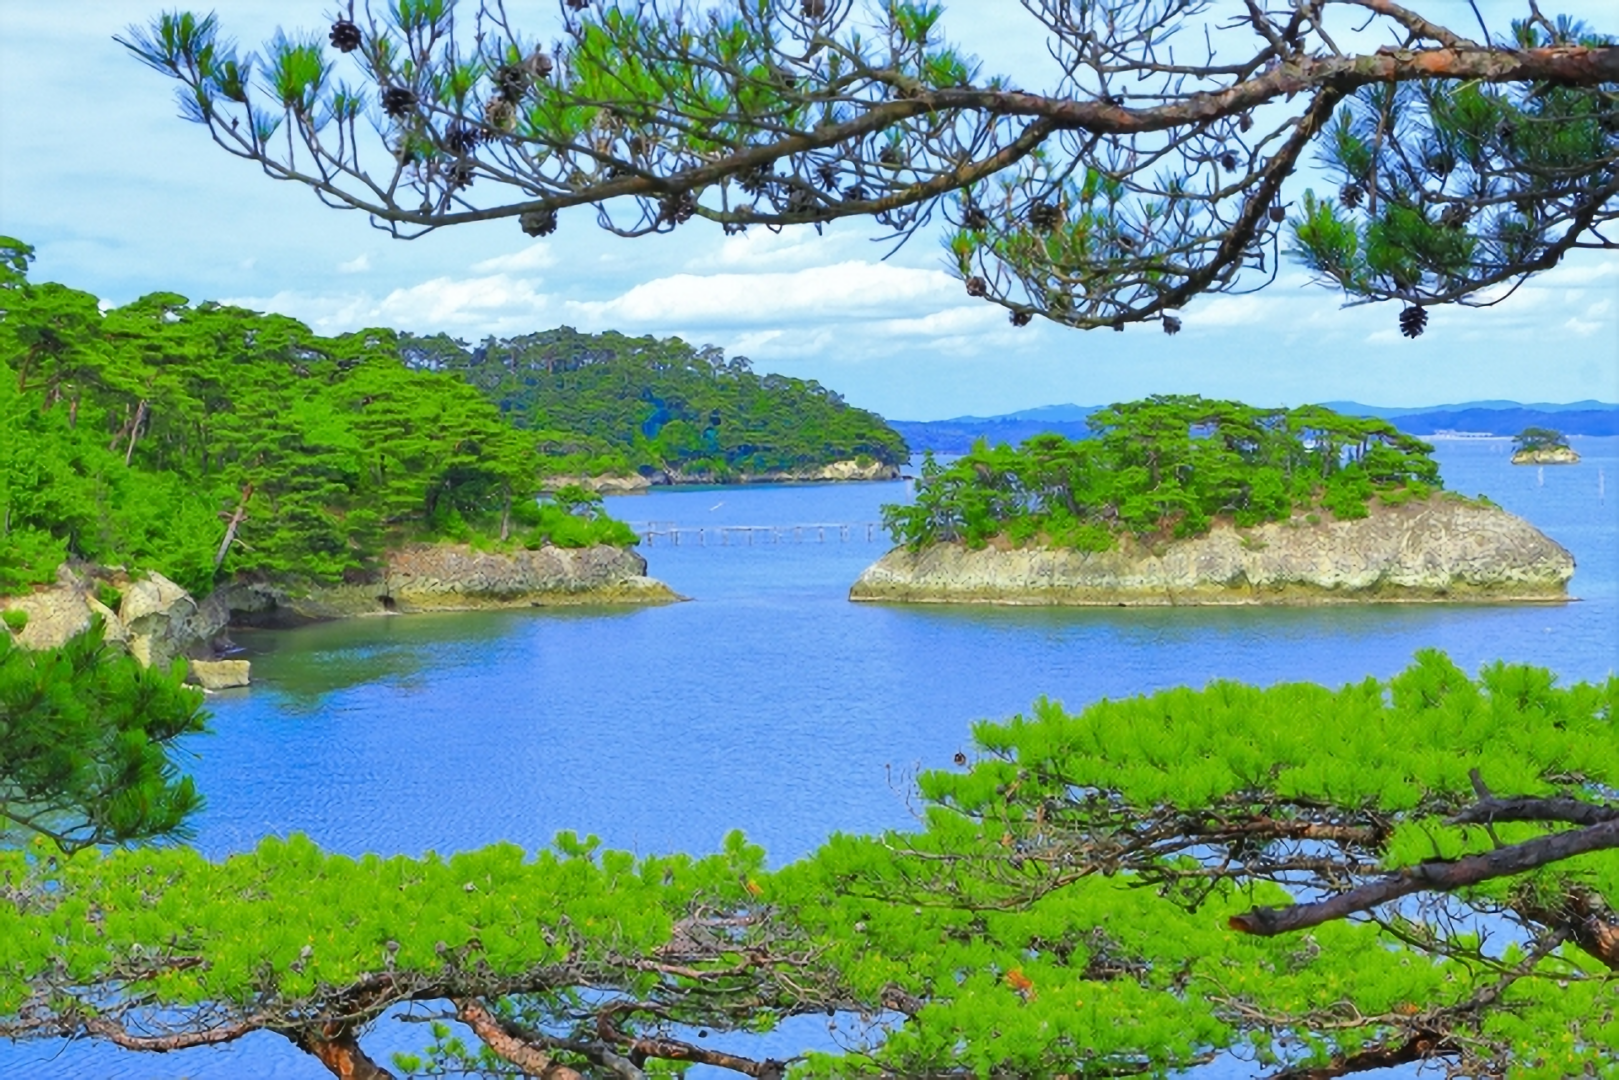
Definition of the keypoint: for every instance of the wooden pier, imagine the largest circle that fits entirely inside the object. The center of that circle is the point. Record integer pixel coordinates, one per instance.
(818, 532)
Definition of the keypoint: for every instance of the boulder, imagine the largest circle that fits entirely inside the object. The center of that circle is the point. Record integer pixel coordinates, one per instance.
(219, 674)
(163, 622)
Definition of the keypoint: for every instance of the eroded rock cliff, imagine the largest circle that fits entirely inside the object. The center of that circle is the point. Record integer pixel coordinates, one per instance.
(1439, 549)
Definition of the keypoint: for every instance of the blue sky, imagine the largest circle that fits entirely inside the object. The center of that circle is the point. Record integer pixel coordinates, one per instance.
(123, 198)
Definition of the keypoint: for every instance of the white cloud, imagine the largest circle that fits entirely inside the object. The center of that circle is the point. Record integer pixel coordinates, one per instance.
(848, 290)
(357, 265)
(496, 304)
(1582, 327)
(533, 257)
(792, 248)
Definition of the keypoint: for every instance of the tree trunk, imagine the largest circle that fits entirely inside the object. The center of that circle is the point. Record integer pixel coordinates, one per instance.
(230, 530)
(506, 517)
(337, 1049)
(135, 431)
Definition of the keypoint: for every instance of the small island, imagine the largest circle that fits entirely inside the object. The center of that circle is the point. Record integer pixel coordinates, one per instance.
(1184, 500)
(1542, 446)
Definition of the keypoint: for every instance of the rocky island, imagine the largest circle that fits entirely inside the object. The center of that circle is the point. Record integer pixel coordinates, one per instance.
(1182, 501)
(1542, 446)
(1441, 548)
(1548, 455)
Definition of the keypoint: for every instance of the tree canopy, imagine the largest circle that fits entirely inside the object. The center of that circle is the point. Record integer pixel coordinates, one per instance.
(1319, 881)
(608, 403)
(1539, 438)
(1165, 466)
(204, 439)
(1159, 164)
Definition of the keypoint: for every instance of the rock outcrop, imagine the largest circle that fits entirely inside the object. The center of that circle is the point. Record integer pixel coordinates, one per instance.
(220, 674)
(159, 622)
(1439, 549)
(455, 577)
(1547, 455)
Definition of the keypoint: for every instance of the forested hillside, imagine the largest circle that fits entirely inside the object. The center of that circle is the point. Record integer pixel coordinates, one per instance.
(203, 439)
(607, 403)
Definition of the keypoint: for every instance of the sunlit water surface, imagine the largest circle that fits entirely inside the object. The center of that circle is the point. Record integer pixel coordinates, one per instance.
(768, 702)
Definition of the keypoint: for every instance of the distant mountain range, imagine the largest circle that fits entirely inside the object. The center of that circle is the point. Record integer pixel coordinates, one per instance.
(956, 435)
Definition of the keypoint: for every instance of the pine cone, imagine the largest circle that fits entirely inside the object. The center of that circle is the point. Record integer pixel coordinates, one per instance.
(889, 155)
(1021, 318)
(1413, 321)
(1454, 216)
(346, 36)
(977, 286)
(974, 219)
(540, 65)
(1351, 194)
(1172, 325)
(511, 82)
(460, 138)
(1277, 214)
(1245, 122)
(827, 175)
(398, 100)
(803, 201)
(1228, 162)
(459, 175)
(678, 208)
(578, 5)
(542, 222)
(757, 180)
(855, 193)
(813, 9)
(1045, 216)
(500, 114)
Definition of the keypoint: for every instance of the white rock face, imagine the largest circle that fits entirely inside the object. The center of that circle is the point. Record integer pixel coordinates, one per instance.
(1438, 549)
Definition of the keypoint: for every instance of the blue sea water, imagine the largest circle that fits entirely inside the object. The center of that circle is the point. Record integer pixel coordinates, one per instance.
(768, 702)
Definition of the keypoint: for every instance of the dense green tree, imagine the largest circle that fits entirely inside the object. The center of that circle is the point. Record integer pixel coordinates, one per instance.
(1165, 466)
(1319, 881)
(1539, 438)
(1158, 165)
(608, 403)
(87, 745)
(206, 439)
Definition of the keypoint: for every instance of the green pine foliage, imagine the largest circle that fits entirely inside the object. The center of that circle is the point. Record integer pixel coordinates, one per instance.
(1531, 439)
(611, 404)
(1073, 903)
(87, 739)
(1168, 466)
(135, 434)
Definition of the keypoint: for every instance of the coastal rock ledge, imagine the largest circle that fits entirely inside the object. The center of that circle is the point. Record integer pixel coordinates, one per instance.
(1439, 549)
(159, 622)
(456, 577)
